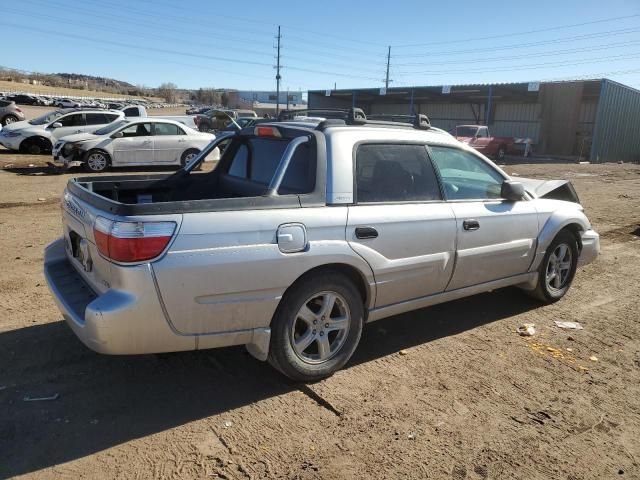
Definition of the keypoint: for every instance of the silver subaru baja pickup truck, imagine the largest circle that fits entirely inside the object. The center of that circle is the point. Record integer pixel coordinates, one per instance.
(303, 232)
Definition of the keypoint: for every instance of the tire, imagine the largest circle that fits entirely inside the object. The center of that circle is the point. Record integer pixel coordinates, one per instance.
(35, 146)
(59, 105)
(9, 119)
(501, 153)
(188, 155)
(554, 280)
(330, 338)
(96, 161)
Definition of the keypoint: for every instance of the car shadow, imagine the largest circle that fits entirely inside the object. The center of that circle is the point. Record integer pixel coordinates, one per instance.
(104, 401)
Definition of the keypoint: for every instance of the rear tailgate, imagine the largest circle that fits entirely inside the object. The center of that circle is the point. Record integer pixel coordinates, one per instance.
(78, 218)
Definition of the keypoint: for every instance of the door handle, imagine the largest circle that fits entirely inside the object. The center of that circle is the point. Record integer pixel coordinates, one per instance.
(366, 232)
(471, 225)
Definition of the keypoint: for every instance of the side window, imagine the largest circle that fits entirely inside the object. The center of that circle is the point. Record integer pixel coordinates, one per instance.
(239, 163)
(131, 112)
(466, 176)
(74, 120)
(394, 173)
(111, 117)
(96, 119)
(167, 129)
(137, 130)
(483, 132)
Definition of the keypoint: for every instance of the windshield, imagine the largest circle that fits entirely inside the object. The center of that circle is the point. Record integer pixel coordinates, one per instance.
(111, 127)
(466, 131)
(46, 118)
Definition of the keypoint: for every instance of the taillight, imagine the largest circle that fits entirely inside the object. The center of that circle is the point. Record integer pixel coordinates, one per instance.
(18, 110)
(132, 241)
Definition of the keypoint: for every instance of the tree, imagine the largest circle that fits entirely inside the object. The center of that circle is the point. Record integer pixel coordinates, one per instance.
(168, 91)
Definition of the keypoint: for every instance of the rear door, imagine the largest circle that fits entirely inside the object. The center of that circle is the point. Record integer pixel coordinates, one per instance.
(135, 146)
(169, 142)
(400, 224)
(496, 238)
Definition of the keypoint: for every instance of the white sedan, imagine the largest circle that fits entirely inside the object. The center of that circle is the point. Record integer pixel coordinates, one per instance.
(133, 142)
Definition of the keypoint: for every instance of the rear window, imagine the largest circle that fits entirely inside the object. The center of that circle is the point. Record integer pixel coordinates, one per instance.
(257, 159)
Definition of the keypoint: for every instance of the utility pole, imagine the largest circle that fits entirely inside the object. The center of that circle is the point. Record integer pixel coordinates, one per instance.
(386, 79)
(278, 77)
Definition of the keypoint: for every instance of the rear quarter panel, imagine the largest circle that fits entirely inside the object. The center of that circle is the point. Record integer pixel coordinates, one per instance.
(224, 272)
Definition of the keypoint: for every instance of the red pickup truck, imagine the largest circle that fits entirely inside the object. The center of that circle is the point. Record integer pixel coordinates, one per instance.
(477, 136)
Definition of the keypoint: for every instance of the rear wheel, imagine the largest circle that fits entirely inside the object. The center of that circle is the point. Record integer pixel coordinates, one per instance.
(558, 268)
(317, 327)
(188, 156)
(97, 161)
(9, 119)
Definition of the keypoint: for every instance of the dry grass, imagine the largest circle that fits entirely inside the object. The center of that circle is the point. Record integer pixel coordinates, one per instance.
(61, 91)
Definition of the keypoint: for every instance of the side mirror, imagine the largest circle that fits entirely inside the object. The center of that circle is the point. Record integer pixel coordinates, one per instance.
(56, 125)
(117, 135)
(511, 190)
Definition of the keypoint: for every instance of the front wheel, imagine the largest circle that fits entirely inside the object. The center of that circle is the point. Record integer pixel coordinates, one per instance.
(557, 269)
(501, 153)
(97, 161)
(317, 327)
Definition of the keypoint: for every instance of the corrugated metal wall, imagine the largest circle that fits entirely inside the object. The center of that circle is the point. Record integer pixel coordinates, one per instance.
(520, 120)
(616, 135)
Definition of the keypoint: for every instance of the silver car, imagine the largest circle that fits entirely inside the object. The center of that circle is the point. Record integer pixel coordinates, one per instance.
(303, 233)
(10, 113)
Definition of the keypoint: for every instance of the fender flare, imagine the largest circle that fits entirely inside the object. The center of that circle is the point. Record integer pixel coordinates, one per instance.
(571, 218)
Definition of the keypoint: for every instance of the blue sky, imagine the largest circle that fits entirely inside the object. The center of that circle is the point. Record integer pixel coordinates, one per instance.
(198, 43)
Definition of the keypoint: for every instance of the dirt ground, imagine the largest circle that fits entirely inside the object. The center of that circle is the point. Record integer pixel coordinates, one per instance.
(450, 391)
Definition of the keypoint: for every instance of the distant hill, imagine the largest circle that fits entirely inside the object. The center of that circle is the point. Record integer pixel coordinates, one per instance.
(73, 81)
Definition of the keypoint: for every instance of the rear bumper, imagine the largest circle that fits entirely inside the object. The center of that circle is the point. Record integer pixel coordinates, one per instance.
(132, 320)
(116, 322)
(590, 247)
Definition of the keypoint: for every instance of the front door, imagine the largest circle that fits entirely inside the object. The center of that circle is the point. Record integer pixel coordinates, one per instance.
(72, 123)
(496, 238)
(400, 225)
(135, 146)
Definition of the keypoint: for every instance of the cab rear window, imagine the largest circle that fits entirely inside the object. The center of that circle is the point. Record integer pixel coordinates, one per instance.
(257, 159)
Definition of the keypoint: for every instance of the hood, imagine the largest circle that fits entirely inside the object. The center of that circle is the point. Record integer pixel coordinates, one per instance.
(79, 137)
(17, 126)
(552, 189)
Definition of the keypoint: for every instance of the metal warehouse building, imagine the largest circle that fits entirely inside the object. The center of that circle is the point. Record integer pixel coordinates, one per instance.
(597, 120)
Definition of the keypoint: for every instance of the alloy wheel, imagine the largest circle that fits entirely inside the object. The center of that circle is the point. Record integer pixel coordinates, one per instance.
(320, 328)
(559, 267)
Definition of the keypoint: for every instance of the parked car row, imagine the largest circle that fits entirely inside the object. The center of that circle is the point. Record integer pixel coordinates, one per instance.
(67, 102)
(100, 138)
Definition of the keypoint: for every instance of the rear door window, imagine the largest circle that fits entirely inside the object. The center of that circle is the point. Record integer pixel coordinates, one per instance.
(167, 129)
(96, 119)
(395, 173)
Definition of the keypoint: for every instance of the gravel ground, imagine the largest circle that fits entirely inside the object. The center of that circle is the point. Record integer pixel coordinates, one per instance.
(450, 391)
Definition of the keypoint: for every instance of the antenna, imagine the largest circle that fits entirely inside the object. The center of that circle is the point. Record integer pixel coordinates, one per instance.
(278, 77)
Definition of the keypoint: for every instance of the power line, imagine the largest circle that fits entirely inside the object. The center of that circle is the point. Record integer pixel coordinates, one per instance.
(526, 45)
(529, 66)
(527, 55)
(503, 35)
(136, 34)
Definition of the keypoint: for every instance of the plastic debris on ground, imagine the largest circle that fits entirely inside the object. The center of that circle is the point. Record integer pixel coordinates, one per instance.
(527, 330)
(41, 399)
(568, 325)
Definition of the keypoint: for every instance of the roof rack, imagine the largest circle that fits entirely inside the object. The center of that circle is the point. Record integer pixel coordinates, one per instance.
(328, 113)
(356, 116)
